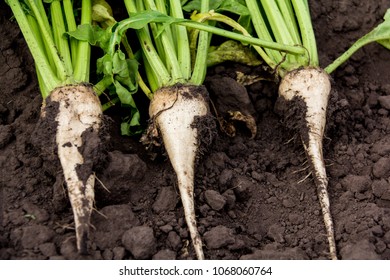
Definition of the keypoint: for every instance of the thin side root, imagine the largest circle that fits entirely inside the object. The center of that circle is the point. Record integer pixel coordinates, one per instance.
(304, 179)
(102, 184)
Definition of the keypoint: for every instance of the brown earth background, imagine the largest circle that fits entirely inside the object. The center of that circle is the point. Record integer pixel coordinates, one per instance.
(250, 196)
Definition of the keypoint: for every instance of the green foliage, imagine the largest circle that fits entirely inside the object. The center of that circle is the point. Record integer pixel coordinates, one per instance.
(131, 125)
(116, 68)
(385, 29)
(95, 35)
(232, 51)
(380, 34)
(232, 6)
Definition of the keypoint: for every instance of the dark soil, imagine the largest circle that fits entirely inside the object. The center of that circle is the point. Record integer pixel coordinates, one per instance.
(252, 201)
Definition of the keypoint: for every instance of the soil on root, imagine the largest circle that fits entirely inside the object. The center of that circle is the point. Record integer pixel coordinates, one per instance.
(251, 195)
(167, 98)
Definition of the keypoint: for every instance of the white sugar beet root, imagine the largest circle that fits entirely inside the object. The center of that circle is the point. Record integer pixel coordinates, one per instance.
(78, 117)
(310, 87)
(175, 111)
